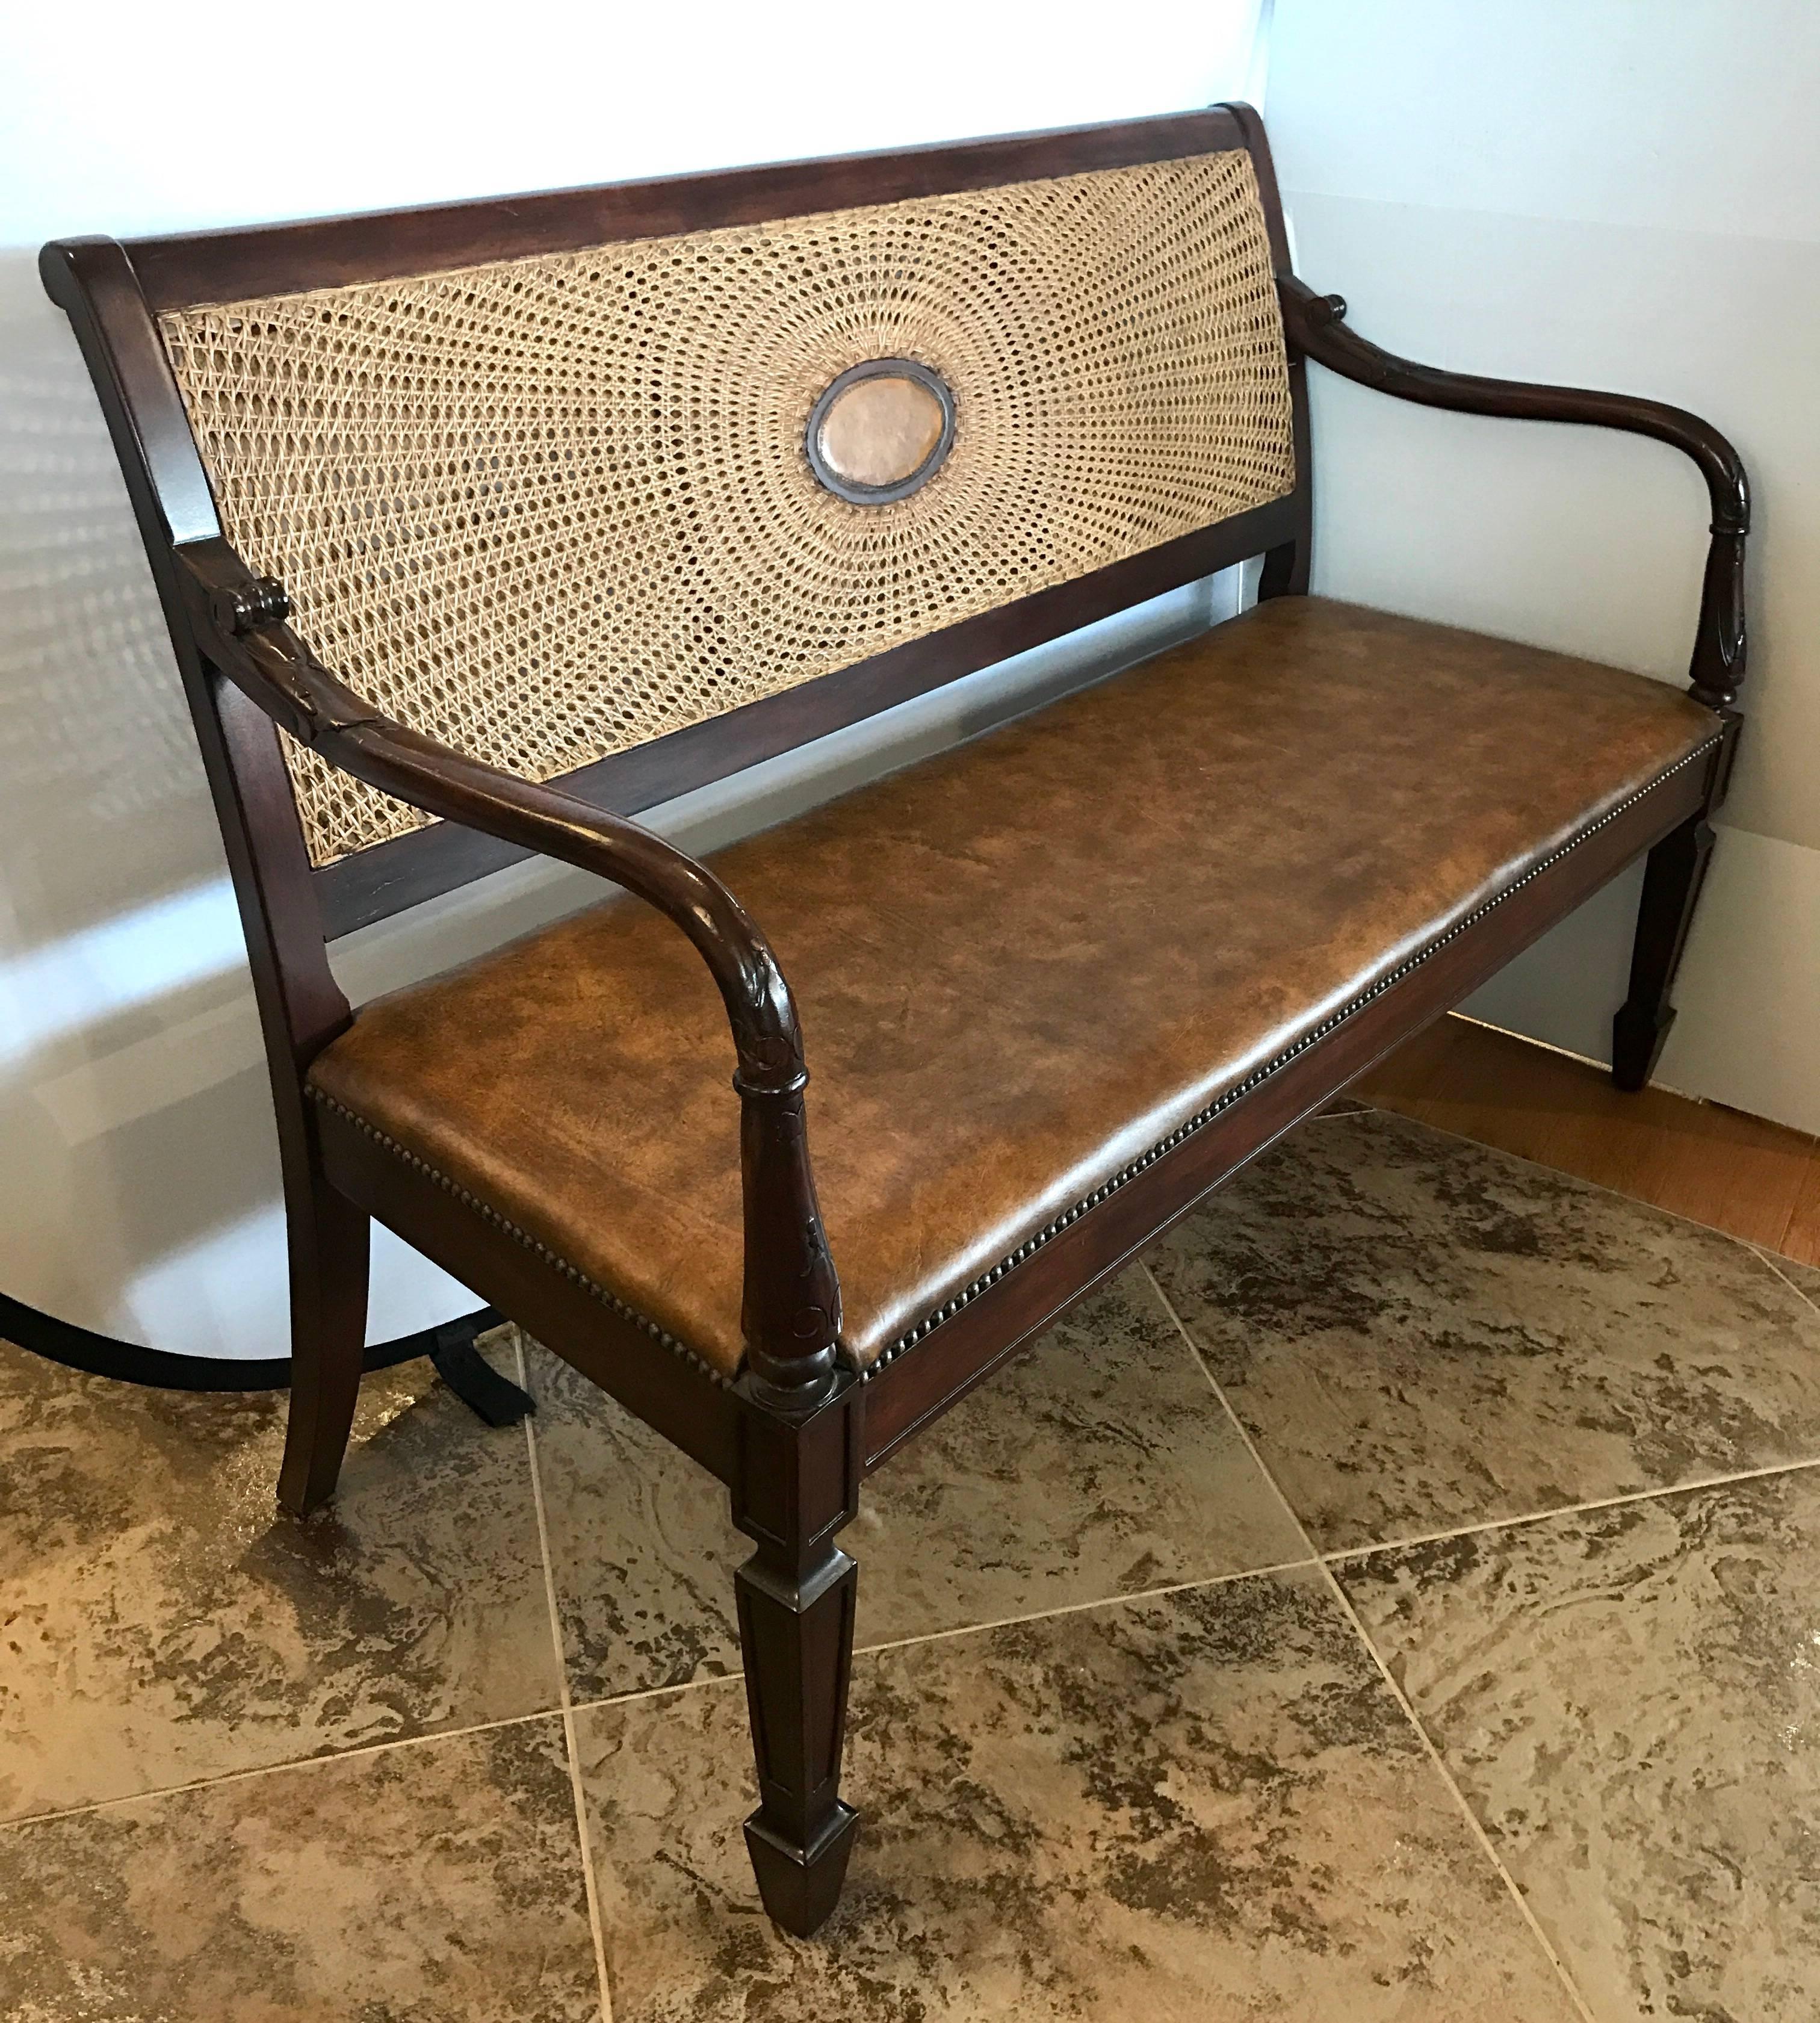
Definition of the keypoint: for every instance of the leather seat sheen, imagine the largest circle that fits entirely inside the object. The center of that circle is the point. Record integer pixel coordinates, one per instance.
(1019, 964)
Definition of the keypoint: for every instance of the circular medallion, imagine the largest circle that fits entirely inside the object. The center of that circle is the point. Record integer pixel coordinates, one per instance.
(880, 430)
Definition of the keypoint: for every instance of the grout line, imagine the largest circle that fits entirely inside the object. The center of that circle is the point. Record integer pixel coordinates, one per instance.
(1400, 1697)
(319, 1760)
(659, 1693)
(568, 1739)
(971, 1629)
(1775, 1261)
(1570, 1510)
(1447, 1777)
(562, 1697)
(1079, 1607)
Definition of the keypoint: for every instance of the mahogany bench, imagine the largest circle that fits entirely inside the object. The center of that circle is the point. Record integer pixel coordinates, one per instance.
(480, 528)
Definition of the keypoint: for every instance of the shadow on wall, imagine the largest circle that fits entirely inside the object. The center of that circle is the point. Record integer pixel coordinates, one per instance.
(112, 927)
(139, 1188)
(103, 805)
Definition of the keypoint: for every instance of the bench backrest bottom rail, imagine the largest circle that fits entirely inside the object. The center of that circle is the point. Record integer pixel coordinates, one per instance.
(390, 876)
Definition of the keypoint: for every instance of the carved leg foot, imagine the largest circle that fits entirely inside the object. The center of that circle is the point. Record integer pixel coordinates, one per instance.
(797, 1632)
(1672, 881)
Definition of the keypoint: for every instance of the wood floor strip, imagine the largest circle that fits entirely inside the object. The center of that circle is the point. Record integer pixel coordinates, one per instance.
(1753, 1179)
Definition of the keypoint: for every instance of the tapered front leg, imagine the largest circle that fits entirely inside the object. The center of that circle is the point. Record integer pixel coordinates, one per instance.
(798, 1486)
(796, 1631)
(1676, 870)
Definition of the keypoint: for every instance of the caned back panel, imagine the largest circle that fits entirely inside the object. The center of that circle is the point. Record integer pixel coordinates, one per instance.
(548, 509)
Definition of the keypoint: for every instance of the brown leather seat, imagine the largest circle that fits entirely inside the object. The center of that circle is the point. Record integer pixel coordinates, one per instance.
(1020, 965)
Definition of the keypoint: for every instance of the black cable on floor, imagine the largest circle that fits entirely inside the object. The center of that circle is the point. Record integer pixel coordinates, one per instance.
(103, 1356)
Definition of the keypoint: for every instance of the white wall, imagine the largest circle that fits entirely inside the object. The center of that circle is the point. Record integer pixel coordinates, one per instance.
(138, 1176)
(1619, 193)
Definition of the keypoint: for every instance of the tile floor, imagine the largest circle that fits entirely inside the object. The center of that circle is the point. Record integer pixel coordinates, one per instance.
(1396, 1597)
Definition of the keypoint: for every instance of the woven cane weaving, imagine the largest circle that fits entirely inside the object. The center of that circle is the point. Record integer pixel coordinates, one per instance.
(550, 508)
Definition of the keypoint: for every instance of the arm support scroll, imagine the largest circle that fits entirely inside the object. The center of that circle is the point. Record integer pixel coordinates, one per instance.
(1315, 327)
(791, 1300)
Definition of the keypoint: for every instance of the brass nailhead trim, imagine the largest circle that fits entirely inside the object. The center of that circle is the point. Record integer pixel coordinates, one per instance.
(1144, 1160)
(641, 1322)
(1241, 1089)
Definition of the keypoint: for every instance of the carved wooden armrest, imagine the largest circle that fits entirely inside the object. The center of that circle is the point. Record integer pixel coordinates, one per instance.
(791, 1310)
(1315, 326)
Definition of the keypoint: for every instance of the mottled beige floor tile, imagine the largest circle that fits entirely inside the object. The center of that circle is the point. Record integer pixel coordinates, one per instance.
(439, 1883)
(161, 1619)
(1631, 1700)
(1205, 1805)
(1420, 1333)
(1100, 1463)
(642, 1550)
